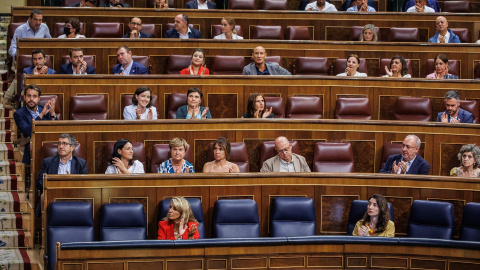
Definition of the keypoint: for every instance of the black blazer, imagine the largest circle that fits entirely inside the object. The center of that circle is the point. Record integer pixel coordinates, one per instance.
(50, 166)
(172, 33)
(194, 5)
(142, 35)
(67, 69)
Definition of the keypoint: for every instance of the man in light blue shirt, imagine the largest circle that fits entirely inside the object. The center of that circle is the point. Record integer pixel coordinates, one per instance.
(362, 6)
(33, 28)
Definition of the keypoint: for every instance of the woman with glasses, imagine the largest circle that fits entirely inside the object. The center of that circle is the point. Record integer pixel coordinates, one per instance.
(221, 150)
(197, 64)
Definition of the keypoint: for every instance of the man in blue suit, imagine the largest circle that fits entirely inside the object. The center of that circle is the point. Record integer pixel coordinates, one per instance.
(408, 162)
(454, 114)
(38, 65)
(135, 26)
(181, 29)
(443, 34)
(201, 4)
(126, 64)
(76, 66)
(23, 116)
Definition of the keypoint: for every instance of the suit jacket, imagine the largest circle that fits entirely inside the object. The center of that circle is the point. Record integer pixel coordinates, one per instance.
(137, 69)
(142, 35)
(464, 116)
(273, 69)
(172, 33)
(419, 165)
(194, 5)
(68, 69)
(23, 120)
(29, 70)
(273, 164)
(166, 230)
(453, 38)
(50, 166)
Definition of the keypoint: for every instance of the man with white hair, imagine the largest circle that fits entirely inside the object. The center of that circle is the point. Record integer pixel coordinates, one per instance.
(408, 162)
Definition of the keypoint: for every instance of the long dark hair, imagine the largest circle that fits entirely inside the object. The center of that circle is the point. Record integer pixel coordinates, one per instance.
(118, 146)
(383, 215)
(251, 104)
(404, 70)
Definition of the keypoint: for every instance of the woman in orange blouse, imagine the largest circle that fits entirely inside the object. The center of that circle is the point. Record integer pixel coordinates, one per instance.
(197, 65)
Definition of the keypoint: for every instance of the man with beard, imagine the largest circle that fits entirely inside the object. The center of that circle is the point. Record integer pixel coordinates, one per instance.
(135, 26)
(77, 65)
(408, 162)
(126, 65)
(23, 116)
(33, 28)
(454, 114)
(321, 6)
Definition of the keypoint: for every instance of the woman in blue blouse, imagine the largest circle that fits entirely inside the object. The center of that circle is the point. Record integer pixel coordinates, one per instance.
(193, 110)
(176, 164)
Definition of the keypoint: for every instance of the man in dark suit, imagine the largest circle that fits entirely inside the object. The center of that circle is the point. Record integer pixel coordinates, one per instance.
(408, 162)
(181, 29)
(126, 64)
(23, 116)
(200, 4)
(76, 66)
(64, 162)
(454, 114)
(135, 25)
(85, 3)
(114, 3)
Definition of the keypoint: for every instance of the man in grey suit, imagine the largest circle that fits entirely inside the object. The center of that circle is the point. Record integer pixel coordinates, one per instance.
(260, 67)
(285, 161)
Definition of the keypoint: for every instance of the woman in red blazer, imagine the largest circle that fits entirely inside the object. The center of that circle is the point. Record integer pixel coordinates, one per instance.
(179, 222)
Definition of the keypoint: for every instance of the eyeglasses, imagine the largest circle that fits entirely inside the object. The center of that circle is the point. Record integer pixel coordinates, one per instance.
(63, 143)
(283, 151)
(407, 146)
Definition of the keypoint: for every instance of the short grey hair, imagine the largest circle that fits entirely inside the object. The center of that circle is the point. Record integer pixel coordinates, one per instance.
(70, 138)
(470, 148)
(452, 94)
(417, 139)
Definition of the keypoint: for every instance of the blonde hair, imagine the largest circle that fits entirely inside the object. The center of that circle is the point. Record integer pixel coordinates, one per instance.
(181, 205)
(371, 27)
(177, 142)
(231, 21)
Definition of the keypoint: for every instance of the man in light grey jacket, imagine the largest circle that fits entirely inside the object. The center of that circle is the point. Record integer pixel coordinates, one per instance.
(260, 67)
(285, 161)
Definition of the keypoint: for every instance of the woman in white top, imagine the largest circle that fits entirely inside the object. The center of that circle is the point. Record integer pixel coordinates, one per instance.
(398, 68)
(142, 106)
(353, 62)
(122, 159)
(228, 30)
(71, 29)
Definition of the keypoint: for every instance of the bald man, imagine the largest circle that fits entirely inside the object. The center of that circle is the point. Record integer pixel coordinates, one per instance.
(444, 35)
(260, 67)
(285, 160)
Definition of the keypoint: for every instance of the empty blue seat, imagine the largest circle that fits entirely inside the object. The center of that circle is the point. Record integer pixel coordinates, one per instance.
(358, 210)
(197, 210)
(235, 219)
(471, 222)
(292, 216)
(431, 219)
(67, 222)
(122, 221)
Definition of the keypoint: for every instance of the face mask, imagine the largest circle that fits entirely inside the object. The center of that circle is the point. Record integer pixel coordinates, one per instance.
(66, 31)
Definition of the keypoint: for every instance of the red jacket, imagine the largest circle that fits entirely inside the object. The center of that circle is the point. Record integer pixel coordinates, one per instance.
(166, 230)
(185, 71)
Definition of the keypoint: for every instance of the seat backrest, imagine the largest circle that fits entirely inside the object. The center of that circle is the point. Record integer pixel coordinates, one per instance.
(217, 30)
(462, 33)
(275, 5)
(477, 71)
(333, 157)
(88, 107)
(127, 101)
(278, 109)
(242, 4)
(340, 65)
(236, 218)
(400, 34)
(297, 33)
(151, 29)
(58, 29)
(66, 3)
(357, 210)
(356, 31)
(176, 63)
(238, 155)
(386, 63)
(161, 152)
(267, 32)
(311, 66)
(89, 59)
(267, 150)
(470, 222)
(456, 6)
(471, 106)
(413, 109)
(68, 221)
(58, 106)
(292, 216)
(306, 107)
(453, 65)
(195, 205)
(138, 153)
(122, 221)
(144, 60)
(227, 65)
(390, 149)
(50, 149)
(106, 30)
(353, 108)
(175, 101)
(431, 219)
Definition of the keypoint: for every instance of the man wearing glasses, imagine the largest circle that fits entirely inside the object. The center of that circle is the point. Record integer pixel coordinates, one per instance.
(135, 25)
(408, 162)
(285, 160)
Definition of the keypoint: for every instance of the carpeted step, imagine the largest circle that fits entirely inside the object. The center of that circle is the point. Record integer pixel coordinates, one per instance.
(7, 151)
(11, 183)
(14, 221)
(13, 202)
(10, 167)
(16, 239)
(18, 259)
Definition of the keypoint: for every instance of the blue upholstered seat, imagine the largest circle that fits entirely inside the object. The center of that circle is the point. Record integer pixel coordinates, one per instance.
(236, 219)
(197, 210)
(292, 216)
(431, 219)
(357, 210)
(67, 222)
(471, 222)
(122, 221)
